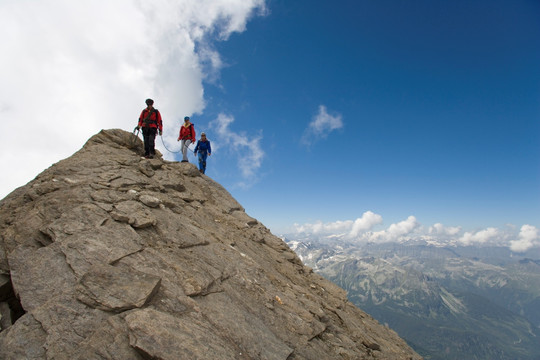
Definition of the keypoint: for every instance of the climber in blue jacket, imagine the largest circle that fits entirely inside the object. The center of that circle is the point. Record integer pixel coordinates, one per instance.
(204, 149)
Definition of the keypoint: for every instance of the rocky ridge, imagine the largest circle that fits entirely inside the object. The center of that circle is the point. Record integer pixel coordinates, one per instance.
(106, 255)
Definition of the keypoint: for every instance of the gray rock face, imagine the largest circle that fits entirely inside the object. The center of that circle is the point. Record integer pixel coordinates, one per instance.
(109, 256)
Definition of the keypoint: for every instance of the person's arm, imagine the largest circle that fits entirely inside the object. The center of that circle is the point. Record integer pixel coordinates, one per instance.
(209, 148)
(139, 124)
(159, 122)
(196, 148)
(193, 138)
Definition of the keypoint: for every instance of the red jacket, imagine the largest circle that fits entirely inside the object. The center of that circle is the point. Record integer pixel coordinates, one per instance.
(154, 121)
(187, 133)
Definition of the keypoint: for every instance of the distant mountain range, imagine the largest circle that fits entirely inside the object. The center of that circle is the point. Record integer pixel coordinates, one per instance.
(447, 302)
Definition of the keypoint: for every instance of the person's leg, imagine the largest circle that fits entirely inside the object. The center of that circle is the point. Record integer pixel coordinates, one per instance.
(202, 162)
(152, 142)
(184, 150)
(185, 145)
(146, 141)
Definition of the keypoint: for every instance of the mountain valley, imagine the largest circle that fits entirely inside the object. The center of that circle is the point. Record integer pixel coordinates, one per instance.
(447, 302)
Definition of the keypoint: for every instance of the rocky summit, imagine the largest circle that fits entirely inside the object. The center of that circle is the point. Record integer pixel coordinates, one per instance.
(107, 255)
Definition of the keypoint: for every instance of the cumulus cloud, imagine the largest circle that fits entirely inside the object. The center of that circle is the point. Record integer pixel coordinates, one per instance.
(319, 227)
(529, 237)
(347, 228)
(361, 230)
(247, 147)
(440, 229)
(396, 231)
(66, 75)
(321, 125)
(365, 223)
(479, 237)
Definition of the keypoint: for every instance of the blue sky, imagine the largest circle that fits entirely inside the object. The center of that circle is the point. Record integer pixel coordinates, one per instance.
(439, 103)
(422, 116)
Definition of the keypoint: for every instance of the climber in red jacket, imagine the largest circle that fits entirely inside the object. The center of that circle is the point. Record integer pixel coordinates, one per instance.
(186, 136)
(150, 121)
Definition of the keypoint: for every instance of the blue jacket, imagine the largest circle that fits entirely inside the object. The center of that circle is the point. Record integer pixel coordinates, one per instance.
(203, 147)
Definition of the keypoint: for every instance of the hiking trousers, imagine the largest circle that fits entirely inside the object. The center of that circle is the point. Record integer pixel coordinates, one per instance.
(202, 161)
(149, 137)
(184, 143)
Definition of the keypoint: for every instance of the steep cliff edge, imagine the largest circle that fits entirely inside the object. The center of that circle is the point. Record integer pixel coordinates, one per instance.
(109, 256)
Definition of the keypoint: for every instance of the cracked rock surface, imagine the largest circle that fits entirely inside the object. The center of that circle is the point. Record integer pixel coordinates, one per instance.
(106, 255)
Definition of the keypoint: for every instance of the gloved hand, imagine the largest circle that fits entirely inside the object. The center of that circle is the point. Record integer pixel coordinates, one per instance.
(137, 128)
(160, 132)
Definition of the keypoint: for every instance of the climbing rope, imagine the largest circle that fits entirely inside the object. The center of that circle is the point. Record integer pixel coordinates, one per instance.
(136, 135)
(174, 152)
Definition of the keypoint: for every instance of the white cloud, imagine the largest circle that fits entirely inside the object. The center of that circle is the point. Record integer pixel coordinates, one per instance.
(396, 231)
(348, 228)
(410, 229)
(71, 68)
(248, 148)
(479, 237)
(365, 223)
(335, 228)
(360, 229)
(321, 125)
(440, 229)
(529, 237)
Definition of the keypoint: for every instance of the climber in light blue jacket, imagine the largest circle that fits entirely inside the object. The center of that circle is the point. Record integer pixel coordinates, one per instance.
(204, 149)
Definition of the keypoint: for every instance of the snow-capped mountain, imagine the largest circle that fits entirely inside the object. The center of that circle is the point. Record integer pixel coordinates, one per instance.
(447, 301)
